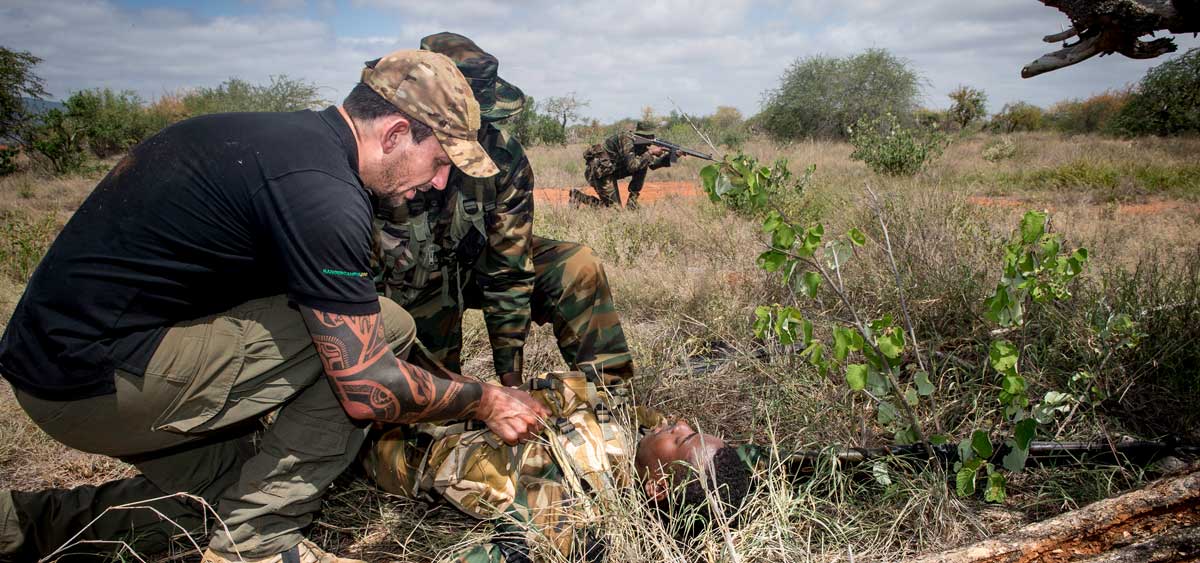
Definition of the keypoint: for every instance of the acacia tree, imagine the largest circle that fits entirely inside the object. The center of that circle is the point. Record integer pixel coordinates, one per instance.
(970, 104)
(564, 109)
(17, 83)
(823, 96)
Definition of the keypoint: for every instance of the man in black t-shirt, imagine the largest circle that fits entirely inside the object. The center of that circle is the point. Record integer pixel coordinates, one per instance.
(218, 273)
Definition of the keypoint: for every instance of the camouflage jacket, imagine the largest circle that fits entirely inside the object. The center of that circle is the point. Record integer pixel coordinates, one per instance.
(623, 157)
(532, 491)
(478, 229)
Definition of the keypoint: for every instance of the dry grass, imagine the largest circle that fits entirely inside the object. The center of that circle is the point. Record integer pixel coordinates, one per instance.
(684, 279)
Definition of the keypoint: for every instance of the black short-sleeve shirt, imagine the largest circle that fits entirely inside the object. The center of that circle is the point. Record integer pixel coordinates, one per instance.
(210, 212)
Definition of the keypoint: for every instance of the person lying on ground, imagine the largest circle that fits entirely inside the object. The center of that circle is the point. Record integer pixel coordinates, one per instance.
(545, 493)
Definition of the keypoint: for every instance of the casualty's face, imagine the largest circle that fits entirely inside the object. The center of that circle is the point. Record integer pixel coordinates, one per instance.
(412, 167)
(671, 442)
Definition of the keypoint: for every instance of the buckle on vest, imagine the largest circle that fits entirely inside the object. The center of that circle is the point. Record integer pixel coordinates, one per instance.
(542, 383)
(564, 426)
(416, 206)
(470, 206)
(602, 413)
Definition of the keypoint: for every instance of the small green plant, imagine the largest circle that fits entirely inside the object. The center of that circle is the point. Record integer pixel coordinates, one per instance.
(23, 242)
(8, 159)
(890, 148)
(1001, 148)
(746, 186)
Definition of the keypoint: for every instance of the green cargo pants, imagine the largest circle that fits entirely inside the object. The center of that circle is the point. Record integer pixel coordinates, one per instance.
(193, 424)
(570, 291)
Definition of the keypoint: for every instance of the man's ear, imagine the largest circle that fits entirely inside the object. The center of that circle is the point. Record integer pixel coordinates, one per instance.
(397, 130)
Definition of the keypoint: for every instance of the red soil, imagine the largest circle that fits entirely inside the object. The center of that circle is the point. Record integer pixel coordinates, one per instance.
(652, 192)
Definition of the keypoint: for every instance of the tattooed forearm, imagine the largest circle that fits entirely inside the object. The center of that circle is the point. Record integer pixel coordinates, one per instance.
(373, 384)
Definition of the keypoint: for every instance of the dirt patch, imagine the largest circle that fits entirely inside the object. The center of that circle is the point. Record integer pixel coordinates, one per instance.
(652, 192)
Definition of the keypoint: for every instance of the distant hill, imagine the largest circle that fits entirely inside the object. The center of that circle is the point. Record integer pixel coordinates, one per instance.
(37, 106)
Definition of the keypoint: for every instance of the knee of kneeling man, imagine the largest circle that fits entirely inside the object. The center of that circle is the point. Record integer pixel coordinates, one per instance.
(584, 267)
(398, 325)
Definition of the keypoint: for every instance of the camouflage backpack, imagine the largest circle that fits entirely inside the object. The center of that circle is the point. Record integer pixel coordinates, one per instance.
(598, 163)
(468, 466)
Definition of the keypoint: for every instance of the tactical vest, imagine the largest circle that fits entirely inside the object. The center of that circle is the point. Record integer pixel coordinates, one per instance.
(413, 248)
(468, 466)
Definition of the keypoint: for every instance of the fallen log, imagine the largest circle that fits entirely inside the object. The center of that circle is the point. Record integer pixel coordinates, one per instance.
(1159, 523)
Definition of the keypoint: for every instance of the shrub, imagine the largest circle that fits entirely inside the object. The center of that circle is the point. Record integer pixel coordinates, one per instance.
(58, 139)
(823, 96)
(111, 122)
(1166, 101)
(8, 159)
(1093, 115)
(1002, 148)
(970, 104)
(17, 84)
(1018, 116)
(237, 95)
(23, 242)
(889, 148)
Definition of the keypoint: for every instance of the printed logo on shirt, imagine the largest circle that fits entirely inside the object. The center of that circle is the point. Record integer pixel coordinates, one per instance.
(343, 273)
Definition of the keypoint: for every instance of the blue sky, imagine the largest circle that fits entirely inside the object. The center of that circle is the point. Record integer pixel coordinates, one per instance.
(619, 55)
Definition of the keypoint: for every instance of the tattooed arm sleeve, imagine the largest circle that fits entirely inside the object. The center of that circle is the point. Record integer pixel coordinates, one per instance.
(373, 384)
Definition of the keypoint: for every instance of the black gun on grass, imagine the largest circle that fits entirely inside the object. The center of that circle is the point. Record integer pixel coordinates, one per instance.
(675, 150)
(1135, 452)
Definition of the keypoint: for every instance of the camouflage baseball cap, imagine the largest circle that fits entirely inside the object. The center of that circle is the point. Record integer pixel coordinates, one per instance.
(428, 87)
(498, 99)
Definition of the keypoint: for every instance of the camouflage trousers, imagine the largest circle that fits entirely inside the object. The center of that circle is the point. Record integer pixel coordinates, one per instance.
(570, 291)
(610, 193)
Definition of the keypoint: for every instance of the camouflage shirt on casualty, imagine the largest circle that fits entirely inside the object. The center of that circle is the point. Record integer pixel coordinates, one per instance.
(501, 263)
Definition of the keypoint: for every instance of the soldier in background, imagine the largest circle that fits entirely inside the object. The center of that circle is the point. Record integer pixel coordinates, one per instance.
(555, 493)
(622, 155)
(472, 246)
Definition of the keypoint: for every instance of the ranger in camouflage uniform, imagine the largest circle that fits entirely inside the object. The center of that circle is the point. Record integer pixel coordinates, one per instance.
(472, 246)
(620, 156)
(550, 494)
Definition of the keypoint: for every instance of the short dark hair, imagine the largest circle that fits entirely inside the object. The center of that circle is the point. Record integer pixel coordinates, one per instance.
(365, 104)
(731, 477)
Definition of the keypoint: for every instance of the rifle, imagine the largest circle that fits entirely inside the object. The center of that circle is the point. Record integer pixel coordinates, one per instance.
(1136, 452)
(674, 149)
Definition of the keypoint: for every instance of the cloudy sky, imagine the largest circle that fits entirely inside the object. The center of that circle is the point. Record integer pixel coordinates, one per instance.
(620, 55)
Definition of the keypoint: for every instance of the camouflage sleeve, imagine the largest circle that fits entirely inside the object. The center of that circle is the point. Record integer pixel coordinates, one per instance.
(505, 270)
(635, 162)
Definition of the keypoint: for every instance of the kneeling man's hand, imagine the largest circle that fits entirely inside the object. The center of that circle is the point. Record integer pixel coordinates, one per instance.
(512, 414)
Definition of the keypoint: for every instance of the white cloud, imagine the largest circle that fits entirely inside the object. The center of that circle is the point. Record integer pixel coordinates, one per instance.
(621, 55)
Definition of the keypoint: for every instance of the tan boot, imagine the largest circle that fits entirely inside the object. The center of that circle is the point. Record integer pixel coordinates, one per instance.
(303, 552)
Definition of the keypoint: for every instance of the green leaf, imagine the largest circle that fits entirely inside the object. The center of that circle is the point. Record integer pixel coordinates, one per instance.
(891, 343)
(856, 376)
(808, 332)
(885, 412)
(772, 260)
(857, 237)
(1024, 432)
(837, 254)
(905, 436)
(810, 283)
(708, 178)
(784, 237)
(964, 482)
(981, 444)
(1013, 384)
(995, 486)
(1033, 225)
(1003, 356)
(924, 386)
(910, 396)
(965, 453)
(841, 343)
(773, 221)
(938, 439)
(1014, 460)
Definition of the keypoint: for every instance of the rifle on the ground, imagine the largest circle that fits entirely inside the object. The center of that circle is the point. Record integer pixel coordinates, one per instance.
(674, 149)
(1136, 452)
